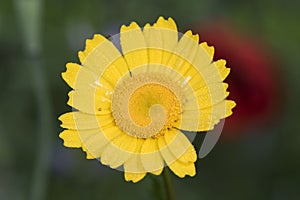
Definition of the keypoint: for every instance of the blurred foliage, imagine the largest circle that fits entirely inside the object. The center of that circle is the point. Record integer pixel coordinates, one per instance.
(264, 165)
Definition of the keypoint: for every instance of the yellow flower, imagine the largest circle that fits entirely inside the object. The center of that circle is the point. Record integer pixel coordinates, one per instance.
(132, 105)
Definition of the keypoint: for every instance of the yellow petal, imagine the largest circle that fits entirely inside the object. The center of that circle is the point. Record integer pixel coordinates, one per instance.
(161, 39)
(78, 120)
(82, 121)
(95, 101)
(80, 138)
(209, 50)
(211, 94)
(182, 169)
(169, 32)
(229, 106)
(204, 56)
(206, 96)
(78, 77)
(220, 110)
(134, 163)
(166, 24)
(182, 165)
(154, 43)
(173, 145)
(165, 151)
(193, 61)
(189, 156)
(184, 53)
(157, 172)
(212, 73)
(223, 70)
(205, 67)
(150, 156)
(177, 143)
(106, 121)
(133, 45)
(99, 54)
(114, 72)
(90, 45)
(169, 35)
(198, 110)
(134, 177)
(88, 155)
(210, 107)
(95, 141)
(71, 138)
(209, 117)
(119, 150)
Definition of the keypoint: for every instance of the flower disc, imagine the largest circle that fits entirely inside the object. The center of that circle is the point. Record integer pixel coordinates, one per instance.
(146, 104)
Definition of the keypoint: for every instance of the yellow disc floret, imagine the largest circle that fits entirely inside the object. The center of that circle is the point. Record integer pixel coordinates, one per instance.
(146, 107)
(149, 95)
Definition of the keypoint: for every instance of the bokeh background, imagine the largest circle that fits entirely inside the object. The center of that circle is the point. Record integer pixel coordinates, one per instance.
(257, 156)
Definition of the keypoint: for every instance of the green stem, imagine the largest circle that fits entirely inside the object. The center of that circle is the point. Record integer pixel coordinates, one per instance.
(168, 184)
(29, 15)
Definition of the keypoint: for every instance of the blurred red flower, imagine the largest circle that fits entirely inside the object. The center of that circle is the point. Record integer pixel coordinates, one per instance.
(253, 79)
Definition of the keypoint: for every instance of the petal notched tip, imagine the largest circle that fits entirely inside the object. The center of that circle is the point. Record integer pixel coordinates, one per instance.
(70, 75)
(163, 23)
(157, 172)
(223, 70)
(131, 26)
(182, 169)
(134, 177)
(90, 45)
(189, 34)
(229, 106)
(88, 155)
(210, 50)
(71, 138)
(147, 26)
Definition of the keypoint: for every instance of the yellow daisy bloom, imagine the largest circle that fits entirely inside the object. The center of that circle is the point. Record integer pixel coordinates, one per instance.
(132, 105)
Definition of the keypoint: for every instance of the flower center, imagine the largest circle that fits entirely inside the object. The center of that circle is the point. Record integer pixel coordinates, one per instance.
(146, 105)
(149, 95)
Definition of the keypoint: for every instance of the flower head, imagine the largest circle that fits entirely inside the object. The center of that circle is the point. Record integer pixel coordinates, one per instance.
(131, 106)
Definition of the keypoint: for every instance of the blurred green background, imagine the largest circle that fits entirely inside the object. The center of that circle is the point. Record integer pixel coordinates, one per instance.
(37, 38)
